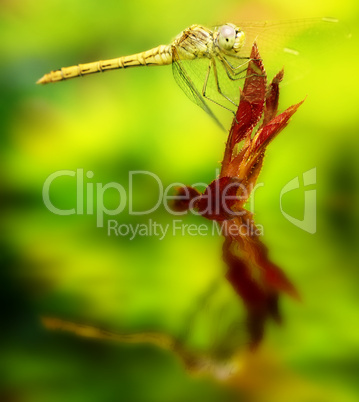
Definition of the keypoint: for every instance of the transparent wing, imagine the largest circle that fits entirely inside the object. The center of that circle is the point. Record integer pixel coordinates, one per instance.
(209, 77)
(191, 84)
(292, 43)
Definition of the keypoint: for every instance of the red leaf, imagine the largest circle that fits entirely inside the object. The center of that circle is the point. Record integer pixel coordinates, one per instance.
(274, 127)
(219, 197)
(252, 99)
(272, 97)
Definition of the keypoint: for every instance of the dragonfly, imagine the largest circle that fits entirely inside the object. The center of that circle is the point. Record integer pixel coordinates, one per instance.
(208, 64)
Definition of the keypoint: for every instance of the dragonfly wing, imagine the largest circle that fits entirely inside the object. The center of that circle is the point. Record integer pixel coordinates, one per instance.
(294, 44)
(189, 83)
(210, 75)
(278, 36)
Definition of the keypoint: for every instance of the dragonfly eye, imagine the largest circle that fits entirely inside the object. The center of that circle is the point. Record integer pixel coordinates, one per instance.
(226, 37)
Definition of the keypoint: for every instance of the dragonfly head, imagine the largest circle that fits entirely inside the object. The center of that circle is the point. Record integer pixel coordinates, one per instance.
(230, 38)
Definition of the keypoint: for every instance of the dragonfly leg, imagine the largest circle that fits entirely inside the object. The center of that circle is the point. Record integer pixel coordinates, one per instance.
(212, 64)
(230, 70)
(240, 58)
(234, 78)
(234, 68)
(200, 307)
(217, 83)
(206, 81)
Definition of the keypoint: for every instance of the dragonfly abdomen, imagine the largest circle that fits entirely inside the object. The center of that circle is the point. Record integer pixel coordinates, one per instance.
(158, 56)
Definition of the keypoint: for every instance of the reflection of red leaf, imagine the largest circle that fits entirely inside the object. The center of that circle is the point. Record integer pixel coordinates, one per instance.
(254, 298)
(272, 275)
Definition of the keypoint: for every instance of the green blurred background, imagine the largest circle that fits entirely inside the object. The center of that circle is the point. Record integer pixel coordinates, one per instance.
(113, 123)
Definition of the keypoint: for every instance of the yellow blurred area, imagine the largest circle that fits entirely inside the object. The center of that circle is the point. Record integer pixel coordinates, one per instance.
(139, 120)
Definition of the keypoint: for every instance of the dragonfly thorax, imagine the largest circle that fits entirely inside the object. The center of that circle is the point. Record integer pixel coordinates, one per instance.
(229, 38)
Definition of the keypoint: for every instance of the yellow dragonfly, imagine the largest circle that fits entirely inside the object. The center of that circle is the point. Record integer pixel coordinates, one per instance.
(207, 63)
